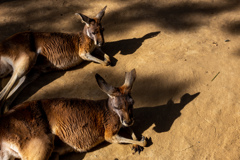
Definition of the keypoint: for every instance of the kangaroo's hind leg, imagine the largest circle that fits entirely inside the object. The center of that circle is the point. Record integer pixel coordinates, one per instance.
(22, 83)
(21, 66)
(5, 69)
(38, 148)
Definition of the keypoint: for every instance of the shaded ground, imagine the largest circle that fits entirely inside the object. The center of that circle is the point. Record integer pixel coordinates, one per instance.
(186, 54)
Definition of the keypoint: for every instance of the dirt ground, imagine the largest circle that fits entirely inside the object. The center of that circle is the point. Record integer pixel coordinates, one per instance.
(186, 54)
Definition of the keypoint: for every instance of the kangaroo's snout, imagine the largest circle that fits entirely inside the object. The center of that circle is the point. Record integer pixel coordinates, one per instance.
(99, 42)
(128, 123)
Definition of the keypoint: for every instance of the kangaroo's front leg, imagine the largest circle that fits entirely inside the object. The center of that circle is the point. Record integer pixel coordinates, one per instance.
(118, 139)
(106, 57)
(135, 147)
(89, 57)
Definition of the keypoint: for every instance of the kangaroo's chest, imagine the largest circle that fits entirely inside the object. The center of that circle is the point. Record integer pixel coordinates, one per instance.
(86, 48)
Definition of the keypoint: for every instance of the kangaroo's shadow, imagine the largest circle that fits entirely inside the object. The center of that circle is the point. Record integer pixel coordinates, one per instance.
(162, 116)
(126, 46)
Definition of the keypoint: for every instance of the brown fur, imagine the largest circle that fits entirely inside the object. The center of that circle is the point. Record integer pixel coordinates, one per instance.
(44, 52)
(29, 130)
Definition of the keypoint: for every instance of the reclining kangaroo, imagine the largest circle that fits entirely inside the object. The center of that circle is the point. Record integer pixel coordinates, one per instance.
(30, 130)
(43, 52)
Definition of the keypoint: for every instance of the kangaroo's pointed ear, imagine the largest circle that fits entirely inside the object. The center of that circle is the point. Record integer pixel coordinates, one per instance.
(84, 19)
(101, 13)
(107, 88)
(129, 79)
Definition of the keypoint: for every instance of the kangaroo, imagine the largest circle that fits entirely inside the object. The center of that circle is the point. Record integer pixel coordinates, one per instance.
(41, 52)
(30, 130)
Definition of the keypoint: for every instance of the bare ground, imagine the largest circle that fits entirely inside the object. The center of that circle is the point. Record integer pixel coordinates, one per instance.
(186, 56)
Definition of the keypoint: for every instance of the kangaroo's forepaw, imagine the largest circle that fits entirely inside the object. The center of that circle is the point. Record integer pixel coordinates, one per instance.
(137, 148)
(106, 60)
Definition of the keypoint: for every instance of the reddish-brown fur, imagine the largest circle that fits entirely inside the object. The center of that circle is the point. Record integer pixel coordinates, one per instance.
(28, 131)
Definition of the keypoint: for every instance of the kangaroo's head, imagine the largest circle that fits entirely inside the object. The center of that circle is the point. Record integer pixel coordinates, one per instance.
(120, 100)
(93, 27)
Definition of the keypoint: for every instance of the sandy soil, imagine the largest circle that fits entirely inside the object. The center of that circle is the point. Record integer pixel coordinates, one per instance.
(186, 56)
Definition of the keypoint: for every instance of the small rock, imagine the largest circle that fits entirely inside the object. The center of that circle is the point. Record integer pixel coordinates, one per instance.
(215, 43)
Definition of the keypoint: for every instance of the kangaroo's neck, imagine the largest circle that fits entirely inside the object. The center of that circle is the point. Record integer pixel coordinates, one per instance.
(86, 43)
(111, 119)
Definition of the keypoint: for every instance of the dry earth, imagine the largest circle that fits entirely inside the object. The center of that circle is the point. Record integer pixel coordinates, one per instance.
(187, 60)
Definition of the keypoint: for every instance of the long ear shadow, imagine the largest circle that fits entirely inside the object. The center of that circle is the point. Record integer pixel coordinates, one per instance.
(162, 116)
(125, 46)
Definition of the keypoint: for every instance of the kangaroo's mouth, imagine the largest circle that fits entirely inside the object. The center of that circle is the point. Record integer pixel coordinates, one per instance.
(99, 44)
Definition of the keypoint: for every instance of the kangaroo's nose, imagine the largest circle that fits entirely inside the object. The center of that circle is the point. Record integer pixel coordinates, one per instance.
(129, 123)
